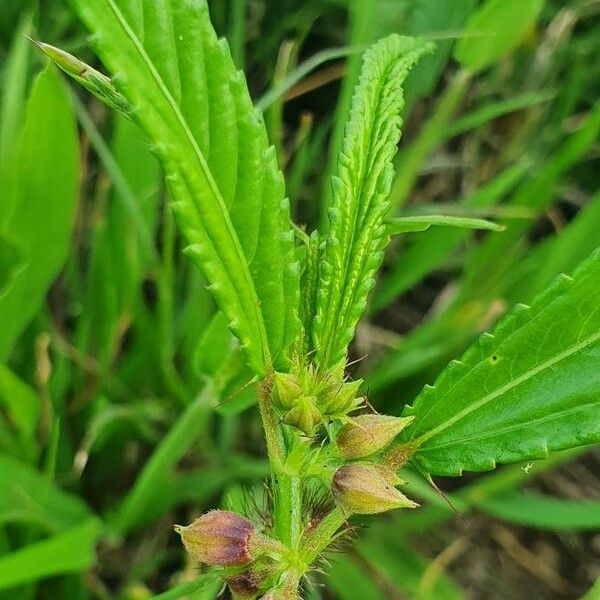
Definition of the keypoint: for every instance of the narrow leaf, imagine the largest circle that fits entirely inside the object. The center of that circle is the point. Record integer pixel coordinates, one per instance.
(354, 244)
(41, 220)
(20, 402)
(422, 223)
(27, 496)
(530, 386)
(11, 260)
(67, 552)
(543, 512)
(494, 29)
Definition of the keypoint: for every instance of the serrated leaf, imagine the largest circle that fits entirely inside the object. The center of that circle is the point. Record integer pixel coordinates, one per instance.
(530, 386)
(356, 238)
(222, 174)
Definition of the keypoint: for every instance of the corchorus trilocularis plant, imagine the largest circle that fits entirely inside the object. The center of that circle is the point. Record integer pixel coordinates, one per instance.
(293, 300)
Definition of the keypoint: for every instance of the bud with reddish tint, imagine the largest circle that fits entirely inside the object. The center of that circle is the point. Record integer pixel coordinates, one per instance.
(367, 434)
(244, 585)
(367, 489)
(219, 537)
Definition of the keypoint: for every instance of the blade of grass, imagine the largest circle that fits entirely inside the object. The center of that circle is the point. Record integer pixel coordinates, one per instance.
(132, 512)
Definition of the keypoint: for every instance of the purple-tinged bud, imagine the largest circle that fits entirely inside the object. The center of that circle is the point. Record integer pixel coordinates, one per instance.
(367, 489)
(368, 434)
(244, 585)
(220, 537)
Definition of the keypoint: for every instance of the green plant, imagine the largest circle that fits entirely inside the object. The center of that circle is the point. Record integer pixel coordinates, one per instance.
(294, 308)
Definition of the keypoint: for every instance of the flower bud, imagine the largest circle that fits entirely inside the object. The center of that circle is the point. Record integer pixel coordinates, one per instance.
(305, 415)
(286, 390)
(338, 399)
(244, 585)
(367, 489)
(219, 537)
(367, 434)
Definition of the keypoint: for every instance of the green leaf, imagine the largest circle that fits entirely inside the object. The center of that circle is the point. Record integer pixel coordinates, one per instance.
(20, 402)
(356, 238)
(494, 29)
(66, 552)
(543, 512)
(429, 251)
(155, 478)
(222, 175)
(12, 104)
(47, 181)
(26, 496)
(433, 20)
(349, 582)
(398, 563)
(11, 260)
(424, 222)
(203, 587)
(530, 386)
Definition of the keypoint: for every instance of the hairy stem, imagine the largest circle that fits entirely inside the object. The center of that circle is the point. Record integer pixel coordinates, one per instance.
(287, 487)
(323, 535)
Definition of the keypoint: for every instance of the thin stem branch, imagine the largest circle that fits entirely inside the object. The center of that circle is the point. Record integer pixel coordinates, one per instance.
(323, 535)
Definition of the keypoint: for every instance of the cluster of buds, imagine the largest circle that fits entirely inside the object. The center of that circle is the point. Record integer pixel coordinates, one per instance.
(361, 473)
(308, 399)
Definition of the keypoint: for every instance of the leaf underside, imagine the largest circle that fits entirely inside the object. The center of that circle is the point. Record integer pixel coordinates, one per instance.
(530, 386)
(357, 236)
(227, 190)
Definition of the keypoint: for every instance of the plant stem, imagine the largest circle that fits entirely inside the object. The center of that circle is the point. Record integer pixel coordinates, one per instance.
(323, 535)
(286, 486)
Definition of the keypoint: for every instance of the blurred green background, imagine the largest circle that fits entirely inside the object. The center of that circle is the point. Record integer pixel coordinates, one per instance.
(123, 405)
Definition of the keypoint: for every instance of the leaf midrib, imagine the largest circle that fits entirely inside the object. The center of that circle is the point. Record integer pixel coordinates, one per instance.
(512, 428)
(355, 230)
(200, 159)
(507, 387)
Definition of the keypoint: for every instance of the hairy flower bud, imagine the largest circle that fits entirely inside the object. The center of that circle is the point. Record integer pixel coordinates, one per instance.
(366, 434)
(340, 398)
(244, 585)
(286, 390)
(367, 489)
(219, 537)
(305, 415)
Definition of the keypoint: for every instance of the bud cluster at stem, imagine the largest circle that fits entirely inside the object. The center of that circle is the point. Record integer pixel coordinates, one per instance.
(352, 463)
(308, 399)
